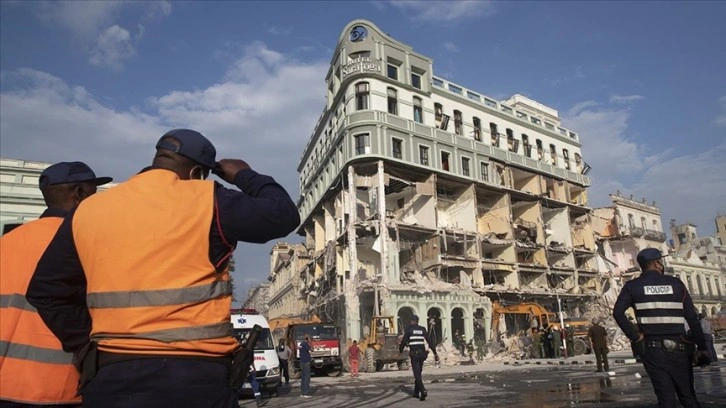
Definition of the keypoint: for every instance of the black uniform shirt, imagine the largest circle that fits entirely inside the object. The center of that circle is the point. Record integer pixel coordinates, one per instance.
(261, 211)
(662, 305)
(416, 338)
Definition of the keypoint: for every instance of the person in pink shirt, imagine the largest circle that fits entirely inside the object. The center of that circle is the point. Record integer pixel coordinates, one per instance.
(353, 354)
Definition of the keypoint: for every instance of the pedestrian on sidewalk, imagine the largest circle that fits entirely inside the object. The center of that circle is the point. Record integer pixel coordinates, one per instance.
(416, 339)
(353, 355)
(284, 354)
(662, 305)
(599, 341)
(708, 332)
(305, 360)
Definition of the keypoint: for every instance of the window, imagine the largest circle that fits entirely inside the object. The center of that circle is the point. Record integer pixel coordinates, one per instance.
(540, 150)
(361, 95)
(642, 223)
(512, 144)
(631, 221)
(484, 171)
(392, 101)
(457, 122)
(362, 143)
(465, 166)
(527, 146)
(655, 225)
(553, 154)
(392, 71)
(417, 110)
(566, 158)
(438, 114)
(494, 133)
(455, 89)
(477, 128)
(445, 161)
(438, 82)
(472, 95)
(578, 161)
(416, 80)
(397, 145)
(423, 155)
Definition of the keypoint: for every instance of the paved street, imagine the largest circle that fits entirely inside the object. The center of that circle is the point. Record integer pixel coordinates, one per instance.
(499, 385)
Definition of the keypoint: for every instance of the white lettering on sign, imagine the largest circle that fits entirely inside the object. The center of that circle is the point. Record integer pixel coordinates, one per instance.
(659, 290)
(417, 331)
(363, 64)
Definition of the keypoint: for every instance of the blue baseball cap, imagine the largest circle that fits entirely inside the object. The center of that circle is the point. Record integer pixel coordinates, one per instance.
(649, 254)
(192, 145)
(70, 172)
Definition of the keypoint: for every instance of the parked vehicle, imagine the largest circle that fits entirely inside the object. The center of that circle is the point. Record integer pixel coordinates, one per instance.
(381, 345)
(267, 364)
(324, 347)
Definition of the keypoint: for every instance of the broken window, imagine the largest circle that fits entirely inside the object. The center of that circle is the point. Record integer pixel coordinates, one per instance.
(415, 80)
(438, 113)
(361, 95)
(566, 158)
(362, 143)
(417, 110)
(553, 154)
(495, 134)
(578, 161)
(540, 150)
(457, 122)
(512, 144)
(423, 155)
(484, 171)
(477, 128)
(445, 161)
(527, 146)
(392, 101)
(397, 145)
(400, 202)
(465, 166)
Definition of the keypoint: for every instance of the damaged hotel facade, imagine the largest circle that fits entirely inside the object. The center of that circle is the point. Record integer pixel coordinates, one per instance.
(420, 196)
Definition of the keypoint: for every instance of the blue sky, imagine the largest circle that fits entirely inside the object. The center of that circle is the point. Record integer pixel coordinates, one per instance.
(642, 82)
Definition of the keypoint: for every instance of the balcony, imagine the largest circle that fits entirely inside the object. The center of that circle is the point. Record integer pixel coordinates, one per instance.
(654, 235)
(637, 232)
(697, 297)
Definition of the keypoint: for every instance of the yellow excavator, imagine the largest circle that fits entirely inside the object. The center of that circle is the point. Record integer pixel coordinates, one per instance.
(380, 347)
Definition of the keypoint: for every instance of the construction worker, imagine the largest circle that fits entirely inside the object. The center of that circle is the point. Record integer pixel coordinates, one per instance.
(136, 280)
(416, 338)
(662, 305)
(34, 369)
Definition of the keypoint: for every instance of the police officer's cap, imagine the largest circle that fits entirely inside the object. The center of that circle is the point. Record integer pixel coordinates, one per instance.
(649, 254)
(70, 172)
(192, 145)
(414, 318)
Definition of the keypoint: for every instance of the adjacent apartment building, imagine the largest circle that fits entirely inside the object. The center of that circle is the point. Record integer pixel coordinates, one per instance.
(421, 196)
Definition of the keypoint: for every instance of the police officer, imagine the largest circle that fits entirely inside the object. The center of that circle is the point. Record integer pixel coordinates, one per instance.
(140, 274)
(416, 338)
(34, 369)
(662, 305)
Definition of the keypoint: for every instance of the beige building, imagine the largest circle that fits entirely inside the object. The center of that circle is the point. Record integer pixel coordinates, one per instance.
(705, 280)
(420, 196)
(721, 229)
(287, 260)
(626, 228)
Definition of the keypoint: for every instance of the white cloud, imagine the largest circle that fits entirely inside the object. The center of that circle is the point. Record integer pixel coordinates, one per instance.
(93, 25)
(274, 30)
(577, 75)
(444, 11)
(113, 47)
(451, 47)
(685, 187)
(626, 98)
(263, 111)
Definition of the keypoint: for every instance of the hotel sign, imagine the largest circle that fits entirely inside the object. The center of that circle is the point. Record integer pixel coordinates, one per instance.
(360, 65)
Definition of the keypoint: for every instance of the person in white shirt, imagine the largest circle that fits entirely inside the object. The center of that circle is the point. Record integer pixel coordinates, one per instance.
(708, 333)
(284, 354)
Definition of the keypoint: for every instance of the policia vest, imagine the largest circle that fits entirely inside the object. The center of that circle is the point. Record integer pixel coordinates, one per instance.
(144, 247)
(34, 369)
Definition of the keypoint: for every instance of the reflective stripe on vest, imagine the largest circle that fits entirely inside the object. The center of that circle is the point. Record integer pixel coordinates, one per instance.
(16, 301)
(659, 305)
(661, 320)
(416, 341)
(32, 353)
(163, 297)
(34, 369)
(152, 289)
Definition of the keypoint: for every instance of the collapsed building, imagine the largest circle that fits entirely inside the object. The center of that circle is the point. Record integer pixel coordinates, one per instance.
(406, 211)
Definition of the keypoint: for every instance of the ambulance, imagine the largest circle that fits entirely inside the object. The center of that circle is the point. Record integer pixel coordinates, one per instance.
(267, 365)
